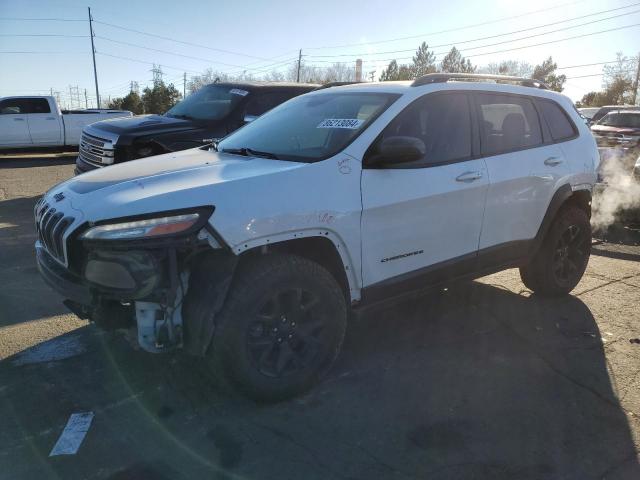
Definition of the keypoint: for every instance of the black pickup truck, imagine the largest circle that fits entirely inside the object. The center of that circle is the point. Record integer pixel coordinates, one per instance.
(208, 114)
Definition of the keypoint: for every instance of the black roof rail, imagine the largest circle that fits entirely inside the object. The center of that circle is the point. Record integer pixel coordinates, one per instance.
(445, 77)
(335, 84)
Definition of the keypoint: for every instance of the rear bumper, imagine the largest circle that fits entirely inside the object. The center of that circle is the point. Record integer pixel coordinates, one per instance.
(67, 284)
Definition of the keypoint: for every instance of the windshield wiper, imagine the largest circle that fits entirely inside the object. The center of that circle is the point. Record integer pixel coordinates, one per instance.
(244, 151)
(183, 117)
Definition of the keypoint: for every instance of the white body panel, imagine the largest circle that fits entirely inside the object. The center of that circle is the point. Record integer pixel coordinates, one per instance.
(45, 128)
(521, 189)
(14, 131)
(423, 213)
(369, 215)
(53, 129)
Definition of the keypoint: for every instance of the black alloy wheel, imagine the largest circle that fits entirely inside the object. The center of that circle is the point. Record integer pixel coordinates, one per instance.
(287, 333)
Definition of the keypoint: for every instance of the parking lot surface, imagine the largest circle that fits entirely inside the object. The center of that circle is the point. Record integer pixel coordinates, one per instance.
(481, 380)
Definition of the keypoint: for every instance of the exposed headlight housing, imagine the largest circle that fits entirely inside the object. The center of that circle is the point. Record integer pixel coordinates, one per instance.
(142, 229)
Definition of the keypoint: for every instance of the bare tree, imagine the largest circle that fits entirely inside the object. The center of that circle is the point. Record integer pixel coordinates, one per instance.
(509, 67)
(196, 82)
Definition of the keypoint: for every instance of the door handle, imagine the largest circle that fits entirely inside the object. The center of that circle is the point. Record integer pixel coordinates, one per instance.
(553, 161)
(468, 177)
(51, 118)
(18, 119)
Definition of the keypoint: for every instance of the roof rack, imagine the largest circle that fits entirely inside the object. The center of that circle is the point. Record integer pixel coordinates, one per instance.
(445, 77)
(335, 84)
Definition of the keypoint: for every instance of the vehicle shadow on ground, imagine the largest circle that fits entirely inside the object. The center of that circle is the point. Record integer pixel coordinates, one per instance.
(477, 382)
(23, 294)
(35, 162)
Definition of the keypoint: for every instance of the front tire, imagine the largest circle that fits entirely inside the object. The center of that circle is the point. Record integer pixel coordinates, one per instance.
(281, 327)
(558, 266)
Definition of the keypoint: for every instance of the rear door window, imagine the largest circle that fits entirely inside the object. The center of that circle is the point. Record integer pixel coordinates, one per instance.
(260, 103)
(560, 126)
(507, 123)
(37, 105)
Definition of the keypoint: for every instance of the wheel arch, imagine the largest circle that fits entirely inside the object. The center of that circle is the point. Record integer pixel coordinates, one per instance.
(564, 195)
(320, 246)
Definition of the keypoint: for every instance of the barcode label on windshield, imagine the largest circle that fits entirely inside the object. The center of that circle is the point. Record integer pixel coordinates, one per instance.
(237, 91)
(350, 123)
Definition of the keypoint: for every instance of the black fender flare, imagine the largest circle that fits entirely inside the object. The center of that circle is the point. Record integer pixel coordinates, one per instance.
(209, 284)
(559, 198)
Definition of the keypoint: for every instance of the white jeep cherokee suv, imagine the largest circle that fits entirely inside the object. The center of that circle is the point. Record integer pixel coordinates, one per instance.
(251, 252)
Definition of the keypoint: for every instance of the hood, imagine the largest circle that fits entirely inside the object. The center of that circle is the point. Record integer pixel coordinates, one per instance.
(143, 124)
(190, 178)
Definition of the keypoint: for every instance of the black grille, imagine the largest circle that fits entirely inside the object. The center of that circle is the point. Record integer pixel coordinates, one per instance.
(92, 149)
(51, 226)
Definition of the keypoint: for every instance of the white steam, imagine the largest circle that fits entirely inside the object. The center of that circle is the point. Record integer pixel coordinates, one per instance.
(619, 192)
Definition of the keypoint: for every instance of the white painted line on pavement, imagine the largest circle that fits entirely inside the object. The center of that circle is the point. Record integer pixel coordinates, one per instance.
(73, 434)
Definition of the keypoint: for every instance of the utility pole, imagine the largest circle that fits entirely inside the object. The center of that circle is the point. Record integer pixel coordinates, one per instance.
(299, 65)
(635, 84)
(184, 85)
(86, 103)
(372, 74)
(359, 70)
(93, 53)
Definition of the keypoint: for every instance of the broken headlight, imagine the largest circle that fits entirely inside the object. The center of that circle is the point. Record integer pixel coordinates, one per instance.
(148, 228)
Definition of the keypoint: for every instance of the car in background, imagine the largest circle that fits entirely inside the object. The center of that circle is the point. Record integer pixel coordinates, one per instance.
(618, 137)
(38, 121)
(588, 113)
(206, 115)
(602, 111)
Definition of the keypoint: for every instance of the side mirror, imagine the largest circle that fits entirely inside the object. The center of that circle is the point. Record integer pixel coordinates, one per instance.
(395, 150)
(249, 118)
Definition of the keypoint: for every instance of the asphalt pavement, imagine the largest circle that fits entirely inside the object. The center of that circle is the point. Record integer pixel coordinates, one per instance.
(479, 381)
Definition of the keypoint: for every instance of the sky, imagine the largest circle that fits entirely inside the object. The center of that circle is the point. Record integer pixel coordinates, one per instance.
(259, 36)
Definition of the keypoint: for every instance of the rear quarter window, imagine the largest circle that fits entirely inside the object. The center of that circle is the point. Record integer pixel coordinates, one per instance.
(560, 125)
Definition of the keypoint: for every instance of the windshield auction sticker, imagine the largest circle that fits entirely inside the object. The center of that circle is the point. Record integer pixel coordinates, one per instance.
(237, 91)
(349, 123)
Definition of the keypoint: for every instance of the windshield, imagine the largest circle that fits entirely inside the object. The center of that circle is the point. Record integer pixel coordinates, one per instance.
(212, 102)
(310, 127)
(618, 119)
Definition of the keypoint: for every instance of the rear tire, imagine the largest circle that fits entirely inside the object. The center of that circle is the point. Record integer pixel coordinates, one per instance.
(281, 327)
(558, 266)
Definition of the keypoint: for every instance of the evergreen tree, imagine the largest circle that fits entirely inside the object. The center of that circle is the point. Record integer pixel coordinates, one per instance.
(545, 72)
(160, 98)
(424, 61)
(454, 62)
(131, 102)
(390, 73)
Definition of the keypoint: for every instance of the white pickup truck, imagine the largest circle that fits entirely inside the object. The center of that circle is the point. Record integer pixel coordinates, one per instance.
(27, 122)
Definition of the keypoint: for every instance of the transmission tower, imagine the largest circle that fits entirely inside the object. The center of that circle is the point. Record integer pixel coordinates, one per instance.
(157, 74)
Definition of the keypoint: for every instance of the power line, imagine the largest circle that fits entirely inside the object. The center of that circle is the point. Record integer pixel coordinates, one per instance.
(42, 52)
(41, 35)
(24, 19)
(586, 65)
(207, 60)
(182, 69)
(498, 51)
(556, 41)
(599, 74)
(451, 29)
(504, 34)
(181, 41)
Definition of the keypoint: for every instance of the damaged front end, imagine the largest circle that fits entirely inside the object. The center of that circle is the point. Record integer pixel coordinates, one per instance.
(138, 273)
